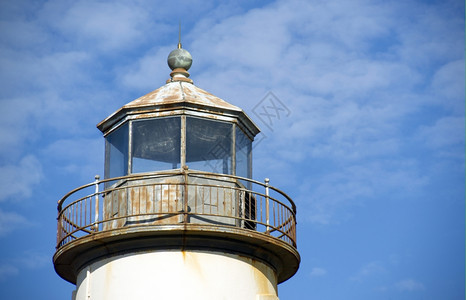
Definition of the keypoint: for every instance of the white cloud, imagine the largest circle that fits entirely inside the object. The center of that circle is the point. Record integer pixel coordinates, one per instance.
(446, 132)
(148, 72)
(22, 33)
(320, 62)
(369, 270)
(107, 26)
(27, 260)
(13, 126)
(409, 285)
(441, 44)
(18, 180)
(448, 86)
(31, 74)
(7, 271)
(51, 103)
(446, 78)
(328, 197)
(31, 259)
(318, 272)
(231, 40)
(10, 221)
(82, 156)
(63, 69)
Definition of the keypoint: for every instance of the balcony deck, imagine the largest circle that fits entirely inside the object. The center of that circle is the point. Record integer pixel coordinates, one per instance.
(179, 209)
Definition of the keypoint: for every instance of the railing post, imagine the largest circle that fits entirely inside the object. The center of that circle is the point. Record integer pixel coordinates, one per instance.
(59, 230)
(267, 212)
(185, 198)
(96, 220)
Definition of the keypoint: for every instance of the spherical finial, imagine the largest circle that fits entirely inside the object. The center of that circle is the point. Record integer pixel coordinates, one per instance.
(180, 58)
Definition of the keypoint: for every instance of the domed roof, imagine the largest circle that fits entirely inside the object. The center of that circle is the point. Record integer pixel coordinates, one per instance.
(179, 96)
(180, 91)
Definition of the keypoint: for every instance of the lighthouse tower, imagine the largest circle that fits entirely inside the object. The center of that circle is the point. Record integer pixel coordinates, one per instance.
(177, 214)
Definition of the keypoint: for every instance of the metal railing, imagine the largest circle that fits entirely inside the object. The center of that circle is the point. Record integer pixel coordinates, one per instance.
(176, 197)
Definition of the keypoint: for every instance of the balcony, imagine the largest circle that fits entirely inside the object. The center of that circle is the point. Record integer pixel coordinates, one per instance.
(178, 209)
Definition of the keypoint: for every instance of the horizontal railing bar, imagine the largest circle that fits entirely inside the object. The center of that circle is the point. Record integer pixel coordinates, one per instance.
(172, 214)
(70, 234)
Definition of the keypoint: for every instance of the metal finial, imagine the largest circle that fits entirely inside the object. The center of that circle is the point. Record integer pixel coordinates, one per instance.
(179, 61)
(179, 36)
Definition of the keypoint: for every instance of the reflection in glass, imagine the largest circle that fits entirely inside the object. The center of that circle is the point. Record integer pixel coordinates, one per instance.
(243, 154)
(116, 152)
(156, 144)
(208, 145)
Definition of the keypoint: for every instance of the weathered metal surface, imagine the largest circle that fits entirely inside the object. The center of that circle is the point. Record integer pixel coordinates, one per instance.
(175, 96)
(156, 201)
(180, 92)
(162, 201)
(155, 205)
(199, 196)
(179, 58)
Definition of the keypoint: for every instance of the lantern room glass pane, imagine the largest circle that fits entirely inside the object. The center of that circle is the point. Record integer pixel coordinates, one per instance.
(156, 144)
(243, 154)
(116, 152)
(208, 145)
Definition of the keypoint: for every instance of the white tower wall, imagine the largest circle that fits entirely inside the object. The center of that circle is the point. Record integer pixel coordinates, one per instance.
(177, 275)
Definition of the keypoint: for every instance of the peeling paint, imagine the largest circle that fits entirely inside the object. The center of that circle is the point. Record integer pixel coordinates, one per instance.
(174, 92)
(178, 94)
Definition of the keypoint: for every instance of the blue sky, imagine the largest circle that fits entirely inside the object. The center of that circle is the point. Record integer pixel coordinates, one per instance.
(371, 146)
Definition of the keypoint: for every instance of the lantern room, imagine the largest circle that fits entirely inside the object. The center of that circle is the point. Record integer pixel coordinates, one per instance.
(178, 125)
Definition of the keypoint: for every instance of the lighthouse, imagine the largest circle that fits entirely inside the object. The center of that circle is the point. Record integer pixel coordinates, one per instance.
(177, 214)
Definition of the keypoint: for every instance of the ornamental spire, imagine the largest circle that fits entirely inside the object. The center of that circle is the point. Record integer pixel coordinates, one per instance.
(179, 61)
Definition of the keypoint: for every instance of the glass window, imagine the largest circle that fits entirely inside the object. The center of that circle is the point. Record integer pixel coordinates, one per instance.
(243, 154)
(156, 144)
(208, 145)
(116, 152)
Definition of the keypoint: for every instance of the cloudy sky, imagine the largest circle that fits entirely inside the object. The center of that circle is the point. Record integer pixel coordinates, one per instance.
(369, 141)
